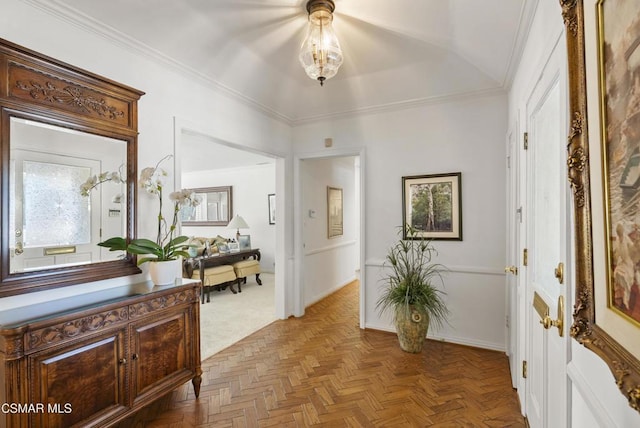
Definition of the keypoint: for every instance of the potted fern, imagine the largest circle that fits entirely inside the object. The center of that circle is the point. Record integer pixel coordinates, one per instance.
(410, 290)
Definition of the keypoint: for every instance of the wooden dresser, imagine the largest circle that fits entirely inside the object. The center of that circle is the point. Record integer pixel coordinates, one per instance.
(95, 359)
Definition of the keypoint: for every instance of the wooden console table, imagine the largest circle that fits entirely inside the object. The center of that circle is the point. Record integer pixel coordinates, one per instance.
(202, 263)
(94, 359)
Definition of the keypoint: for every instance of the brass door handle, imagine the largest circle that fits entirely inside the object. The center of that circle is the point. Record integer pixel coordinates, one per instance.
(547, 322)
(559, 273)
(511, 269)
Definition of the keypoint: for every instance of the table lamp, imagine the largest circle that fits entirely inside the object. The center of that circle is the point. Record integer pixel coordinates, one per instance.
(237, 222)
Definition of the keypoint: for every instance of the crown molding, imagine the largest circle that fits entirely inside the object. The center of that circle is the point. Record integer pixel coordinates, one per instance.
(87, 23)
(524, 29)
(401, 105)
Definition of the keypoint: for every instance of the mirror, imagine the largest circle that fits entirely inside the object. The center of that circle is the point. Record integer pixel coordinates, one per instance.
(215, 207)
(60, 125)
(50, 223)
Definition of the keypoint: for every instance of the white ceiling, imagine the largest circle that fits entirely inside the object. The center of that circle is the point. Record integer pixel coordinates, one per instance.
(396, 52)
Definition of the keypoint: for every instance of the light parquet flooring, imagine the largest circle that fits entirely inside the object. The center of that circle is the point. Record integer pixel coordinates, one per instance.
(323, 370)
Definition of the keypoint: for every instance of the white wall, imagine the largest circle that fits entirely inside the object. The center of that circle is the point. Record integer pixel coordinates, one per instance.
(250, 187)
(171, 92)
(595, 401)
(329, 263)
(465, 135)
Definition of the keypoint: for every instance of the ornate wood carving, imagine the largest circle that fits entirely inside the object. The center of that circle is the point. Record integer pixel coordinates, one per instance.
(624, 366)
(76, 328)
(71, 96)
(148, 307)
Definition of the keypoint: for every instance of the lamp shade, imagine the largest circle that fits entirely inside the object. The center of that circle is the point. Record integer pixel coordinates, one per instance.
(238, 222)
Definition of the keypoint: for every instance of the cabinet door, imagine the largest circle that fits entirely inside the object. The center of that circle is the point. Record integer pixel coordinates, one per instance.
(162, 354)
(82, 384)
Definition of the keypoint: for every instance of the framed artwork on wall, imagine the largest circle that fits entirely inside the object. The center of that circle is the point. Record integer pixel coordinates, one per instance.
(272, 208)
(603, 40)
(432, 206)
(334, 212)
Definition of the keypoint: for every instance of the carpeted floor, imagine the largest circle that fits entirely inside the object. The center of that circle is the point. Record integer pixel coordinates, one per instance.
(229, 317)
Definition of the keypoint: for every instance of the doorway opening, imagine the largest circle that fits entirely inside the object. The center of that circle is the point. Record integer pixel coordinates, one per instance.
(329, 258)
(203, 161)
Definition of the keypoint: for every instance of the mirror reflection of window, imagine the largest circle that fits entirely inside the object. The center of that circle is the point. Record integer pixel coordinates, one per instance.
(54, 212)
(51, 223)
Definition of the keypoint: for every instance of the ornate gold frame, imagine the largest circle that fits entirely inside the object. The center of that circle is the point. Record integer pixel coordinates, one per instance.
(623, 364)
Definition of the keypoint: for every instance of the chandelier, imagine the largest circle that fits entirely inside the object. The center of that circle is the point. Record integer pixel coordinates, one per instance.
(320, 53)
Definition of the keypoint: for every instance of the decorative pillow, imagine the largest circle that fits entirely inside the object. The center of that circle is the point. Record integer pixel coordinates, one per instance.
(219, 240)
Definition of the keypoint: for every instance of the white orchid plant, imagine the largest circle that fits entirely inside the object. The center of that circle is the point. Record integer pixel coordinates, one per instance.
(166, 246)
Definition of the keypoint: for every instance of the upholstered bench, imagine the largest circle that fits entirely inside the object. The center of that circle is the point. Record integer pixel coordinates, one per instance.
(217, 276)
(245, 268)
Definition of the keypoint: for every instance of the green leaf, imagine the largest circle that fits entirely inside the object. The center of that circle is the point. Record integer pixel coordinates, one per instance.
(114, 244)
(144, 246)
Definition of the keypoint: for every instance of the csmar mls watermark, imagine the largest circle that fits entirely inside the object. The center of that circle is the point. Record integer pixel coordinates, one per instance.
(36, 408)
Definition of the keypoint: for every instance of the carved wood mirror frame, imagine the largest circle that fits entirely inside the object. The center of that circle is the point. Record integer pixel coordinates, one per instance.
(34, 86)
(588, 327)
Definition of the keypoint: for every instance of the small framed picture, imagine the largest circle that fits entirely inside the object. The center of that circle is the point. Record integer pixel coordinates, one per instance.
(245, 242)
(223, 248)
(272, 208)
(334, 212)
(234, 247)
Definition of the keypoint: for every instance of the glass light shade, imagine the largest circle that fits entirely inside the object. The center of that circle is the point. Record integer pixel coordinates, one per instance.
(320, 54)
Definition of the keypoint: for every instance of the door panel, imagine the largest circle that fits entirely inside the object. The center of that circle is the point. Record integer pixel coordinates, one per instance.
(161, 353)
(73, 394)
(546, 194)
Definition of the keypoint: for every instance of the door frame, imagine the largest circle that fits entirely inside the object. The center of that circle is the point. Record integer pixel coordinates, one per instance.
(282, 271)
(298, 298)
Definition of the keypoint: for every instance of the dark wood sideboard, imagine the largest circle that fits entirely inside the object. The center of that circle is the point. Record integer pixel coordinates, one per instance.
(95, 359)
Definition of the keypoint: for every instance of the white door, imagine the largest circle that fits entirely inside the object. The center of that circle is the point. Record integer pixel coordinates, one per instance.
(513, 249)
(545, 225)
(58, 226)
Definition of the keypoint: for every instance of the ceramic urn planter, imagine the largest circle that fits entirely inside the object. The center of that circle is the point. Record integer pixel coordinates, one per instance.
(412, 324)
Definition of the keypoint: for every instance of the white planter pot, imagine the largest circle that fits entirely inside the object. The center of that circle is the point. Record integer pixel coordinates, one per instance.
(164, 273)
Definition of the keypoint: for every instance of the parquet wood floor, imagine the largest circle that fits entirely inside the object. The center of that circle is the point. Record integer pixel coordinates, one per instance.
(323, 370)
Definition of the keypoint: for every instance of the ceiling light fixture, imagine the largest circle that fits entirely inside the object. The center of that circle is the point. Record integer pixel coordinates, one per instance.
(320, 54)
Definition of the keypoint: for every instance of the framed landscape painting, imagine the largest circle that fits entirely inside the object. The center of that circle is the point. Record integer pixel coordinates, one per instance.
(272, 208)
(334, 212)
(432, 206)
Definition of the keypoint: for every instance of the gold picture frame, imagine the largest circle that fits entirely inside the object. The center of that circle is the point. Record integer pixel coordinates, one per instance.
(596, 168)
(334, 212)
